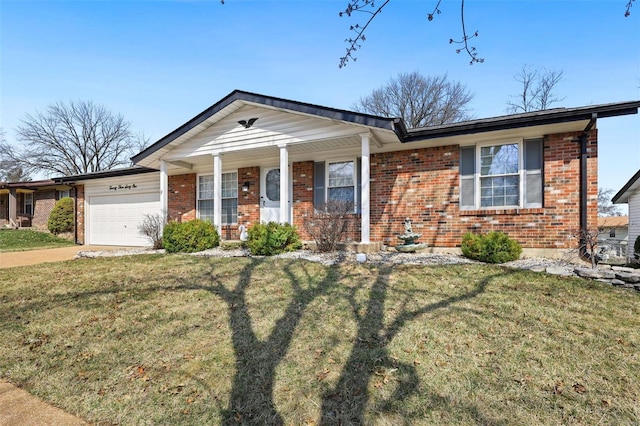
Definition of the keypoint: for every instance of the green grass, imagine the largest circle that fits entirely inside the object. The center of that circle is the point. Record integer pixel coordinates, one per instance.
(26, 239)
(183, 340)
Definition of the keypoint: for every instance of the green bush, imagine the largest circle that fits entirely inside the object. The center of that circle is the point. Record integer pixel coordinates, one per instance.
(266, 239)
(189, 237)
(495, 247)
(61, 217)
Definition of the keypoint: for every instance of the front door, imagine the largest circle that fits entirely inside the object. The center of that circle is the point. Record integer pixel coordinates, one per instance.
(269, 194)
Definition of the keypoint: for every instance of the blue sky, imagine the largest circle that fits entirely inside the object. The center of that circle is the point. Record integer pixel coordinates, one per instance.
(159, 63)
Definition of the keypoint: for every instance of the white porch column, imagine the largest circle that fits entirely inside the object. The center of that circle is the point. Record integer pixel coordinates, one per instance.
(284, 184)
(164, 190)
(13, 206)
(217, 192)
(365, 191)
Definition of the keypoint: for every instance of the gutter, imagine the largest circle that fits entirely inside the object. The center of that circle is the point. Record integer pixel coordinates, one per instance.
(584, 193)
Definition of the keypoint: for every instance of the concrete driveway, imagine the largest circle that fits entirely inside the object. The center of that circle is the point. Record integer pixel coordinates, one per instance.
(34, 257)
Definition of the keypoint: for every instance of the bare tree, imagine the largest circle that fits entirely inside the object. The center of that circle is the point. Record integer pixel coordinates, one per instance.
(420, 101)
(74, 138)
(538, 89)
(605, 208)
(9, 170)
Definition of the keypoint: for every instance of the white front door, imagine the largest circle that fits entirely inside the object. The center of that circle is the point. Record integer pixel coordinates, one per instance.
(270, 194)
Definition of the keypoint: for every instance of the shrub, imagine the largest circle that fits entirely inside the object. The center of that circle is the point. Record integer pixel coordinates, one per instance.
(267, 239)
(151, 227)
(636, 248)
(61, 217)
(189, 237)
(495, 247)
(329, 224)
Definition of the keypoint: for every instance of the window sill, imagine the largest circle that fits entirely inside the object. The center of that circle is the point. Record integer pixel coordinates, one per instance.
(506, 211)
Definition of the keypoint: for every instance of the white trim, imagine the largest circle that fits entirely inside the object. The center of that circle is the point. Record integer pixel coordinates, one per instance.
(365, 190)
(284, 184)
(478, 174)
(198, 199)
(164, 189)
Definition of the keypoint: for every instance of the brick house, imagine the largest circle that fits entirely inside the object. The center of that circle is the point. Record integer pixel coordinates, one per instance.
(29, 204)
(630, 194)
(251, 158)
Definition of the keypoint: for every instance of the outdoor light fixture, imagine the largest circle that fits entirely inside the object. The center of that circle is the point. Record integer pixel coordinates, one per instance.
(245, 187)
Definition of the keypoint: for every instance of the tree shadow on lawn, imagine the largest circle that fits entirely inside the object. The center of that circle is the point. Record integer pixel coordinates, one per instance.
(346, 403)
(252, 400)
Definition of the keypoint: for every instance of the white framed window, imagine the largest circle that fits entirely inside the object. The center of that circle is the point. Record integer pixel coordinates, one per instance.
(28, 204)
(229, 194)
(501, 175)
(337, 180)
(62, 193)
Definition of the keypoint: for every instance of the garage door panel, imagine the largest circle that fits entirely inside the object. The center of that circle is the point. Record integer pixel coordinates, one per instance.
(114, 219)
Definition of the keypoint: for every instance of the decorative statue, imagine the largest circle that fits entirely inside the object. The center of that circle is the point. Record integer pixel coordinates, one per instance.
(407, 227)
(243, 233)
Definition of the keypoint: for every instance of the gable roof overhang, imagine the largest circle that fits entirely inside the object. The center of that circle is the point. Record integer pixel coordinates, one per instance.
(29, 186)
(629, 188)
(128, 171)
(236, 100)
(507, 122)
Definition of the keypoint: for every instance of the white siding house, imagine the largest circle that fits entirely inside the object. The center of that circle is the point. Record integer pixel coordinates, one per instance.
(630, 194)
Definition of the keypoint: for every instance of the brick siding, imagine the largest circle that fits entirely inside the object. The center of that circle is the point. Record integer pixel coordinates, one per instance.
(424, 185)
(182, 197)
(43, 203)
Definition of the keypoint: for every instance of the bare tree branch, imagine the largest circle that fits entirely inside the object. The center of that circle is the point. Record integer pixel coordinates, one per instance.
(74, 138)
(420, 101)
(537, 93)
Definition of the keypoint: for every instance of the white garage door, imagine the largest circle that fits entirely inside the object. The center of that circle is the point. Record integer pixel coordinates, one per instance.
(114, 219)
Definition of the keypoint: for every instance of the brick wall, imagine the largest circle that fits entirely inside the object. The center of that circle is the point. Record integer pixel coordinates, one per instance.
(4, 209)
(79, 191)
(423, 184)
(182, 197)
(43, 203)
(302, 175)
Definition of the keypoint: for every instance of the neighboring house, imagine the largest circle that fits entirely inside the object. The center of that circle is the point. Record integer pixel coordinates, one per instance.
(251, 158)
(29, 204)
(630, 194)
(613, 235)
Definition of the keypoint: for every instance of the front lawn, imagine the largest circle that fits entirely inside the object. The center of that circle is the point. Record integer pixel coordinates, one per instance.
(26, 239)
(159, 339)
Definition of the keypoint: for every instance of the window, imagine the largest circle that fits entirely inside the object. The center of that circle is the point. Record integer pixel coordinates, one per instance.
(505, 175)
(612, 233)
(63, 193)
(337, 180)
(28, 204)
(340, 184)
(229, 198)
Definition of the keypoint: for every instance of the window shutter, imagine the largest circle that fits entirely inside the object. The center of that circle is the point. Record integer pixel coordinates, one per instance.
(467, 177)
(533, 162)
(318, 184)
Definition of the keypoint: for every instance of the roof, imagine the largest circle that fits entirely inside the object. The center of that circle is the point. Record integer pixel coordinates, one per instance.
(613, 221)
(629, 188)
(527, 119)
(105, 174)
(32, 184)
(397, 125)
(278, 103)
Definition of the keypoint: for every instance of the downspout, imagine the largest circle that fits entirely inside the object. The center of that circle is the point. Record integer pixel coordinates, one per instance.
(584, 193)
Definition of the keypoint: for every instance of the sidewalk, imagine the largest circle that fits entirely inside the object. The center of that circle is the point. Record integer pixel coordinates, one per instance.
(18, 407)
(34, 257)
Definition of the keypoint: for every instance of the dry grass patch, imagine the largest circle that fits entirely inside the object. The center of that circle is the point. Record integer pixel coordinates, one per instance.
(185, 340)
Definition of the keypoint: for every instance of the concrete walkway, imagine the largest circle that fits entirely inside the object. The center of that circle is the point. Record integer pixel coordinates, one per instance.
(18, 407)
(34, 257)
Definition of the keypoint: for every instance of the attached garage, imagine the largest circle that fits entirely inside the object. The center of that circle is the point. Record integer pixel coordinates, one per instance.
(114, 219)
(111, 205)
